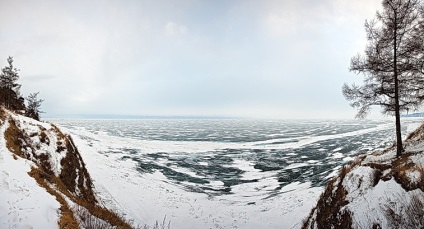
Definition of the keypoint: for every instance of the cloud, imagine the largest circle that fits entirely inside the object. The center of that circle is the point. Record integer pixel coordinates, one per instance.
(39, 78)
(289, 18)
(173, 29)
(232, 58)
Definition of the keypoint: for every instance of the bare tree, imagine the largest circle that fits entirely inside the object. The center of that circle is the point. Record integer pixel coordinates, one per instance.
(33, 106)
(393, 63)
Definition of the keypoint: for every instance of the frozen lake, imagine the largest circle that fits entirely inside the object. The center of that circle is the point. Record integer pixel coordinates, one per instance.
(221, 173)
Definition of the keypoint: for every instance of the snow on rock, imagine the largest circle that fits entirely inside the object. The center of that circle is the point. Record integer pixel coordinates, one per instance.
(47, 146)
(42, 137)
(378, 190)
(357, 182)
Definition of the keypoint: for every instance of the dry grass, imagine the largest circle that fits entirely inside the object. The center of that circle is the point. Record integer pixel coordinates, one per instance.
(162, 225)
(107, 215)
(412, 217)
(401, 167)
(60, 136)
(89, 221)
(17, 140)
(14, 138)
(73, 175)
(418, 134)
(59, 133)
(44, 138)
(91, 206)
(378, 172)
(69, 179)
(388, 149)
(331, 213)
(329, 209)
(420, 170)
(2, 114)
(378, 166)
(67, 182)
(376, 176)
(67, 219)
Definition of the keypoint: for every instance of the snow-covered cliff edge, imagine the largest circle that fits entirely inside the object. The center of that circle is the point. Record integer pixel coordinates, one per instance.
(43, 179)
(377, 190)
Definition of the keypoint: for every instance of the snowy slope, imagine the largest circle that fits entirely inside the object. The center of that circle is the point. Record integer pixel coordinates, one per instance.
(376, 191)
(23, 203)
(43, 179)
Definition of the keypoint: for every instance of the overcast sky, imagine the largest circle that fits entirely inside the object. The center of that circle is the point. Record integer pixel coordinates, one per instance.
(259, 59)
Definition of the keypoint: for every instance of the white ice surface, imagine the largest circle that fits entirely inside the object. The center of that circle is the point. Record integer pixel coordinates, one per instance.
(146, 198)
(154, 146)
(150, 197)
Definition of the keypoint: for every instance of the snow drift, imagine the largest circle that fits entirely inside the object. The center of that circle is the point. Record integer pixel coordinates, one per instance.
(378, 190)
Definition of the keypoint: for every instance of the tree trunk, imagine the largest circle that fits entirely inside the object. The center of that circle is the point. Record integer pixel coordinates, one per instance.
(399, 145)
(8, 99)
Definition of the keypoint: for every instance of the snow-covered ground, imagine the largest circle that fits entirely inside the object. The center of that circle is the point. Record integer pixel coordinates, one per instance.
(23, 203)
